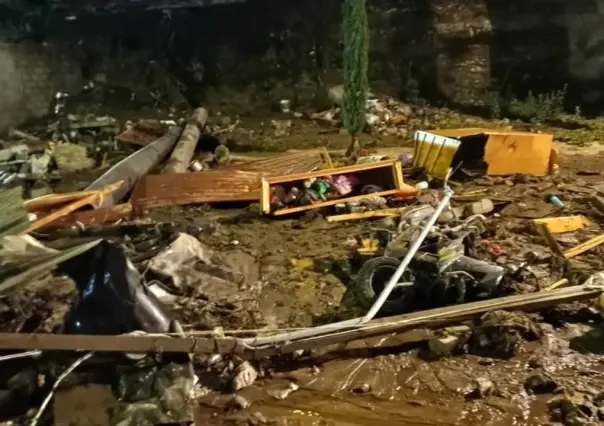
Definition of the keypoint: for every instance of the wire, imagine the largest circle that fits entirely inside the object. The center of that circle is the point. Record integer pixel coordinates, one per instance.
(66, 373)
(20, 355)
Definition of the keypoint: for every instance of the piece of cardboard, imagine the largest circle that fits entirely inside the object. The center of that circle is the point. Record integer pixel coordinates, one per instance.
(505, 152)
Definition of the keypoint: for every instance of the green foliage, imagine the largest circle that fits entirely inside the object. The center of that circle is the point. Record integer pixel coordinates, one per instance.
(493, 103)
(356, 58)
(539, 108)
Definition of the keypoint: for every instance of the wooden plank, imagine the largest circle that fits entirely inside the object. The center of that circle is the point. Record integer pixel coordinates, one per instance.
(367, 215)
(46, 202)
(93, 217)
(582, 248)
(559, 225)
(91, 199)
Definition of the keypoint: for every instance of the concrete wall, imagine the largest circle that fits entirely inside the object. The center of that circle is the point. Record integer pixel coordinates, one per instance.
(30, 74)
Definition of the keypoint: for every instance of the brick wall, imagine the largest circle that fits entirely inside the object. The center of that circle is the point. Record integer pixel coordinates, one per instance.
(30, 75)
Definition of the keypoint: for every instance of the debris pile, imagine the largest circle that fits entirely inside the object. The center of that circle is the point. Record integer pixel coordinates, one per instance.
(449, 235)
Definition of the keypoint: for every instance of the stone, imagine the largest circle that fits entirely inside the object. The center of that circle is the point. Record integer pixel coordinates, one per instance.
(239, 402)
(443, 345)
(483, 388)
(257, 418)
(483, 206)
(572, 410)
(364, 388)
(284, 393)
(540, 383)
(245, 376)
(450, 215)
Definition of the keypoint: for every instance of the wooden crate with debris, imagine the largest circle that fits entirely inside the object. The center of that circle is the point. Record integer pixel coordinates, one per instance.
(282, 195)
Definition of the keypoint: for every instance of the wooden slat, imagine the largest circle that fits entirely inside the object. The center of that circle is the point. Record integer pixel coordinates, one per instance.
(367, 215)
(331, 172)
(91, 199)
(582, 248)
(46, 202)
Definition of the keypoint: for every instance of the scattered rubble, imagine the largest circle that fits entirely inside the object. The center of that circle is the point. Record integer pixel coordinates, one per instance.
(484, 260)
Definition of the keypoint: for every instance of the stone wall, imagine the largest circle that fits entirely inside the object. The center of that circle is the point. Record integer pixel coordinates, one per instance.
(262, 50)
(30, 74)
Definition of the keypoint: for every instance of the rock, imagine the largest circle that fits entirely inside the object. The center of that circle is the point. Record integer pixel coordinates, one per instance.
(573, 410)
(540, 383)
(443, 345)
(482, 388)
(405, 110)
(535, 363)
(39, 165)
(239, 402)
(257, 418)
(364, 388)
(483, 206)
(284, 393)
(499, 334)
(392, 131)
(245, 376)
(450, 215)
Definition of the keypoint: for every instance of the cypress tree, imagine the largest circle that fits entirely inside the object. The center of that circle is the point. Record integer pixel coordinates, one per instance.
(356, 47)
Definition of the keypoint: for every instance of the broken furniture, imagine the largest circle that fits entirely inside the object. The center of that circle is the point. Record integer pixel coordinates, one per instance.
(504, 152)
(385, 174)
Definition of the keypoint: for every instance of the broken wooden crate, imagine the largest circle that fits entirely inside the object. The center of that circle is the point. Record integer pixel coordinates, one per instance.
(504, 152)
(386, 174)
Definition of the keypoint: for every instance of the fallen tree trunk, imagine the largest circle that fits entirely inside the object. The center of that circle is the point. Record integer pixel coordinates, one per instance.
(245, 348)
(133, 167)
(185, 147)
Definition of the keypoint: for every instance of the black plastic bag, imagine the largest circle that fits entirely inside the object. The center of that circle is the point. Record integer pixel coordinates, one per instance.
(111, 296)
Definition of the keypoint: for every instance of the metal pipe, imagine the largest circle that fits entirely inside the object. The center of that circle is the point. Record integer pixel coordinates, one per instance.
(357, 322)
(135, 166)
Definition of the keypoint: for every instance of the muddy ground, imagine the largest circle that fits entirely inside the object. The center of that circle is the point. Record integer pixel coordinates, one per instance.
(385, 380)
